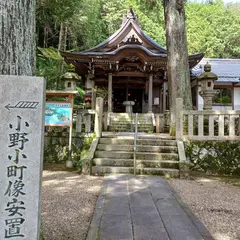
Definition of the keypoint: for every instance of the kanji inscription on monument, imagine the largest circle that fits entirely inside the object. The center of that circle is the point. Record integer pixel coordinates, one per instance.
(22, 107)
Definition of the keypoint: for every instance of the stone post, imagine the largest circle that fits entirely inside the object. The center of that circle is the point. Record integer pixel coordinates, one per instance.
(150, 96)
(98, 117)
(110, 92)
(179, 118)
(79, 123)
(22, 108)
(157, 123)
(88, 123)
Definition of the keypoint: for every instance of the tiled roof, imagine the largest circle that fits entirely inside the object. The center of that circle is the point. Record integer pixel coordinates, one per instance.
(227, 70)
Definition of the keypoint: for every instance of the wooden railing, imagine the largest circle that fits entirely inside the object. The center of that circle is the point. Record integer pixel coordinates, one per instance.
(207, 125)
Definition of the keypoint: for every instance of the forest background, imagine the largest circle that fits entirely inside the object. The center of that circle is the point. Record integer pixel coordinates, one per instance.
(213, 28)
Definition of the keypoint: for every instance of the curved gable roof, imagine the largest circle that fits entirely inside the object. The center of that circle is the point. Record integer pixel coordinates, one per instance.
(130, 24)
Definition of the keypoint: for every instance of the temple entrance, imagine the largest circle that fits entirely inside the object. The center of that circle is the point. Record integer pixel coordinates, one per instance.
(122, 94)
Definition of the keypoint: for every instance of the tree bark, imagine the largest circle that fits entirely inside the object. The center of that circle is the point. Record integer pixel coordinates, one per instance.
(17, 37)
(177, 65)
(62, 38)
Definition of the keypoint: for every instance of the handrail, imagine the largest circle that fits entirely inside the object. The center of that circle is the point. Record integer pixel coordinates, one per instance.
(131, 117)
(135, 143)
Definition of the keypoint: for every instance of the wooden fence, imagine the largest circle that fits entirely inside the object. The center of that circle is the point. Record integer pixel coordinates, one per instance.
(206, 125)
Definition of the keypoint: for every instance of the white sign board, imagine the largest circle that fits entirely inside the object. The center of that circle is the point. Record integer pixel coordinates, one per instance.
(22, 110)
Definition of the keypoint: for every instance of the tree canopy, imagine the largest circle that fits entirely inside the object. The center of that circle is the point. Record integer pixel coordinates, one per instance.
(213, 27)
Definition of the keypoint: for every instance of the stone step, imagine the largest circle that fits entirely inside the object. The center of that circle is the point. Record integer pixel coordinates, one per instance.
(129, 124)
(117, 123)
(143, 171)
(142, 155)
(133, 115)
(140, 148)
(126, 141)
(157, 164)
(156, 149)
(174, 173)
(129, 129)
(101, 170)
(112, 121)
(156, 156)
(144, 126)
(114, 155)
(139, 163)
(113, 162)
(140, 130)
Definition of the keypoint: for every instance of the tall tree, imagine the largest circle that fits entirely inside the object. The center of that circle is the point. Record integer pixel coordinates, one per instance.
(17, 38)
(178, 67)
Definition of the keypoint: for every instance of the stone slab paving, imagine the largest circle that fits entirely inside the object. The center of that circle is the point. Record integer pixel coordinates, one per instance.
(143, 208)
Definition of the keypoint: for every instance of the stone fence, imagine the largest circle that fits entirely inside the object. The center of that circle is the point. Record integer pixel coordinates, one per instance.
(206, 124)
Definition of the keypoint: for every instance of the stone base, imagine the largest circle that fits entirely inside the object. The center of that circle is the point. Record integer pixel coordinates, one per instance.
(184, 168)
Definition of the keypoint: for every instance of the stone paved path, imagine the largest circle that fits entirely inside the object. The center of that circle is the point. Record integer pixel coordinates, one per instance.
(142, 208)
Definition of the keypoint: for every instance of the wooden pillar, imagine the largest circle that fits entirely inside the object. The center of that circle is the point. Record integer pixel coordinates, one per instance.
(164, 96)
(93, 94)
(110, 92)
(150, 96)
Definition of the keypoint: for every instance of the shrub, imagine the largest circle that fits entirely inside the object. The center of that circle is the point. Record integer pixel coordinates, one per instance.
(214, 157)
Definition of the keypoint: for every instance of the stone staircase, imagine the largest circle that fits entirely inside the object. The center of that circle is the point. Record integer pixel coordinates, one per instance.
(154, 156)
(125, 122)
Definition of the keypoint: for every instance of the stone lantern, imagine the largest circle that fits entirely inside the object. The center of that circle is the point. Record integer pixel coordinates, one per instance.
(207, 79)
(70, 79)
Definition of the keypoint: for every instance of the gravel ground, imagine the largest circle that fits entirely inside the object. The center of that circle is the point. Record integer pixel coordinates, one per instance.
(215, 203)
(68, 201)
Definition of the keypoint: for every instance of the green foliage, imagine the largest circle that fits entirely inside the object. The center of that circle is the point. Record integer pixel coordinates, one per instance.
(51, 66)
(214, 157)
(79, 99)
(212, 27)
(101, 92)
(224, 100)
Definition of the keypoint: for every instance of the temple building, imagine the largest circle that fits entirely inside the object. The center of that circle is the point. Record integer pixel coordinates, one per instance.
(131, 66)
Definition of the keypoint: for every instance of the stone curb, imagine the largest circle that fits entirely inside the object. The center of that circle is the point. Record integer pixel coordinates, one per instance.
(196, 222)
(93, 231)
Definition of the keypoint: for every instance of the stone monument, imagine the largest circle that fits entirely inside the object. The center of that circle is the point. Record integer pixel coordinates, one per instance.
(207, 79)
(22, 108)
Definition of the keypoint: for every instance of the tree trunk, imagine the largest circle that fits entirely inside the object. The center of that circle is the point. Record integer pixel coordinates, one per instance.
(17, 38)
(62, 38)
(178, 66)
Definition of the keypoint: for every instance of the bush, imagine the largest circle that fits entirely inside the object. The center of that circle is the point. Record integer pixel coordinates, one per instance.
(214, 157)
